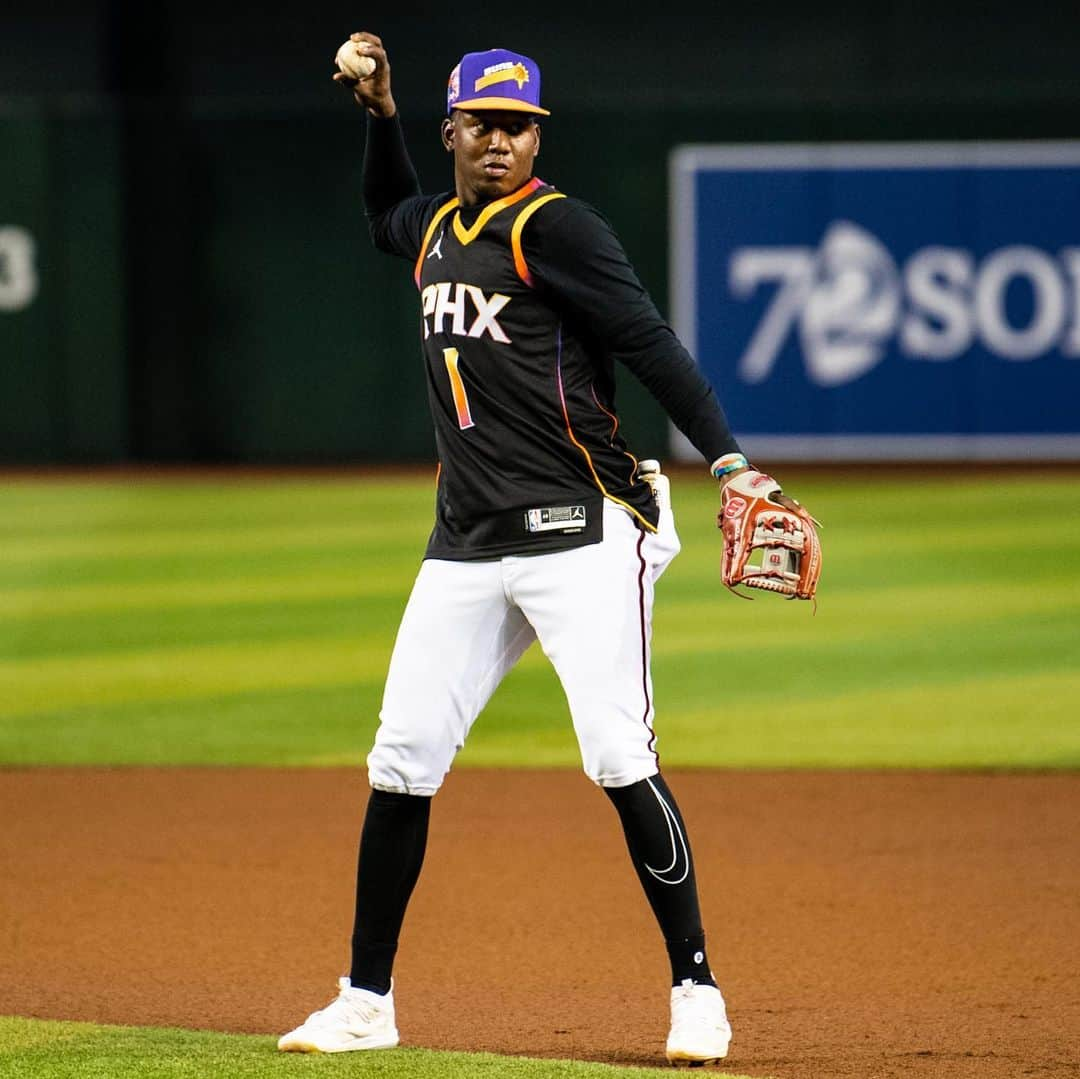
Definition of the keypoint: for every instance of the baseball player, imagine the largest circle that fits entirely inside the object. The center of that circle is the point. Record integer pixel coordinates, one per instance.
(546, 529)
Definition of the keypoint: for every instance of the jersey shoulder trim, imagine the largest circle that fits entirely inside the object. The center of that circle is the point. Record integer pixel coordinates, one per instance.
(439, 215)
(467, 235)
(520, 264)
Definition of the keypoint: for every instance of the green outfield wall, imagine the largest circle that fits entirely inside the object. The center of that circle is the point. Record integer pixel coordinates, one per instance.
(63, 392)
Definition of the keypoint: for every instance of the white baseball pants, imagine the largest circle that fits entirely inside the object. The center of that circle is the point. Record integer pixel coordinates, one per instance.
(467, 623)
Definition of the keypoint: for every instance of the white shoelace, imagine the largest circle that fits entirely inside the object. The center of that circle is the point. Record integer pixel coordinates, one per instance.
(690, 1008)
(346, 1008)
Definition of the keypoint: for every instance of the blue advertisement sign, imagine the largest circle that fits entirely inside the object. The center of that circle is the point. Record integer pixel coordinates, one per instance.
(885, 300)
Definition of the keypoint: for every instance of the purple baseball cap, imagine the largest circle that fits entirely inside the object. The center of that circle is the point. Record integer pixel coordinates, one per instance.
(496, 79)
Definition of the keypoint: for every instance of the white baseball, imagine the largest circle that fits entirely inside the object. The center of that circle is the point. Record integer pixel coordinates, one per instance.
(352, 62)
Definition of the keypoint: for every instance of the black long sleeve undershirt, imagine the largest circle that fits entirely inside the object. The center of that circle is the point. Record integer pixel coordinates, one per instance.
(388, 176)
(577, 260)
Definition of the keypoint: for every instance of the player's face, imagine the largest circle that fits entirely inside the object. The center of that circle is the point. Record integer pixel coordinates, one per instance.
(494, 151)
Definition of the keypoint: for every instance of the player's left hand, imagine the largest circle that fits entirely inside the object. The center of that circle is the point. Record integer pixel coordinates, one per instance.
(770, 541)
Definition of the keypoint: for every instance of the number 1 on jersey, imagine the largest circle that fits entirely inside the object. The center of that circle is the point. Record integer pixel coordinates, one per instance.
(457, 387)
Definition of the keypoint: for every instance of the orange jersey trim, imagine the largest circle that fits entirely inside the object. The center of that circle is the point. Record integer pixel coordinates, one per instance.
(585, 452)
(610, 415)
(614, 428)
(515, 235)
(440, 214)
(467, 235)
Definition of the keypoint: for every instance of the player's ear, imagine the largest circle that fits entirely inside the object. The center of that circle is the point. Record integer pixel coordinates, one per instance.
(536, 129)
(447, 133)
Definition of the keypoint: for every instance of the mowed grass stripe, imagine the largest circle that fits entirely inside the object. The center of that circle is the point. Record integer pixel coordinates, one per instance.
(41, 1049)
(914, 726)
(207, 626)
(151, 542)
(215, 661)
(1004, 621)
(900, 707)
(1021, 721)
(48, 508)
(883, 613)
(58, 682)
(63, 534)
(106, 639)
(348, 560)
(74, 617)
(53, 602)
(1017, 628)
(325, 724)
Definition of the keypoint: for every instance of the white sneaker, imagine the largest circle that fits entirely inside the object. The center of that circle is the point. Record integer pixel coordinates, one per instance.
(357, 1019)
(700, 1032)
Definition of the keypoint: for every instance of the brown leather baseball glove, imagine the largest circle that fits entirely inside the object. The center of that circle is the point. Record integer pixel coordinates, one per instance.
(770, 541)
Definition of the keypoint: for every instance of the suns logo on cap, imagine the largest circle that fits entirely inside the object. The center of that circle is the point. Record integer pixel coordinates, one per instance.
(453, 87)
(507, 71)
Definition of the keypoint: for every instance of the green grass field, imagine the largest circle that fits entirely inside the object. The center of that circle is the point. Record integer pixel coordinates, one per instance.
(47, 1050)
(249, 622)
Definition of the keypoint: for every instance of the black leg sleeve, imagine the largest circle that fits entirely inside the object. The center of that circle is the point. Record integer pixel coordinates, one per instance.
(392, 846)
(660, 850)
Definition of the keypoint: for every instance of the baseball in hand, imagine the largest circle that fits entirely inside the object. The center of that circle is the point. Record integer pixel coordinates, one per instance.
(352, 62)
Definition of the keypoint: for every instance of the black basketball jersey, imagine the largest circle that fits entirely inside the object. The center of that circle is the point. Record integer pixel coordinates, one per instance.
(523, 404)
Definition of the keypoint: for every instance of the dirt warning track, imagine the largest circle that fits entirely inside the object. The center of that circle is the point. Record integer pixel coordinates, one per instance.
(885, 924)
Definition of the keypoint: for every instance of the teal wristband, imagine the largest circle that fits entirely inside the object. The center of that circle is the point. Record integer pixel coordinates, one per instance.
(730, 462)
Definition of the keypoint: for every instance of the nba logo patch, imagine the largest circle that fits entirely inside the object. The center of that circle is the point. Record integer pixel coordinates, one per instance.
(555, 519)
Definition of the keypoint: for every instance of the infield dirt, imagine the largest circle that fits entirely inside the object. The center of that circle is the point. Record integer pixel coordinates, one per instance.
(860, 924)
